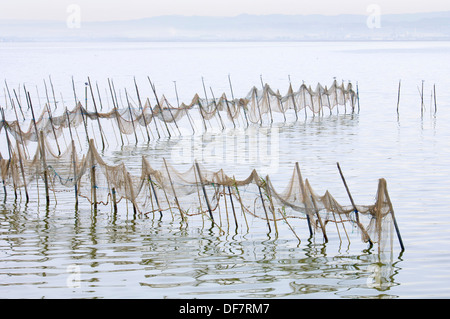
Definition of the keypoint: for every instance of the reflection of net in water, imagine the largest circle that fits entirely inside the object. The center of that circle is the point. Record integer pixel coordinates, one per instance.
(197, 191)
(161, 119)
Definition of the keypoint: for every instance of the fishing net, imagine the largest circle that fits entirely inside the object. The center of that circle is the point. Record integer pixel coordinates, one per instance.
(195, 191)
(257, 105)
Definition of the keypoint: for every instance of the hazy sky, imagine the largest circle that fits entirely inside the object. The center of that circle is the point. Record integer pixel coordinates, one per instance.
(103, 10)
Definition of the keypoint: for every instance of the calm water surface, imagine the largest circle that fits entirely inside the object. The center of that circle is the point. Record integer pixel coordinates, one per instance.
(62, 253)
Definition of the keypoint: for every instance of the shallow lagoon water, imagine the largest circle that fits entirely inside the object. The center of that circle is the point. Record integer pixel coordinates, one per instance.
(58, 252)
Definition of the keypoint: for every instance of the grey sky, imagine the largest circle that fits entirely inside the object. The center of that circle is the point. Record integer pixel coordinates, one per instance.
(104, 10)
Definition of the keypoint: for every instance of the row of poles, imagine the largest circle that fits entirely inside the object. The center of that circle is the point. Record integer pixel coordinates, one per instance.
(41, 146)
(158, 107)
(433, 99)
(310, 208)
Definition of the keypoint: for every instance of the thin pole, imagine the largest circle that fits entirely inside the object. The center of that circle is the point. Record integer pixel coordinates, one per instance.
(159, 105)
(394, 220)
(357, 95)
(302, 188)
(234, 101)
(291, 91)
(328, 99)
(44, 164)
(229, 112)
(303, 89)
(398, 96)
(343, 93)
(32, 114)
(255, 91)
(96, 113)
(336, 94)
(206, 98)
(421, 97)
(142, 110)
(99, 96)
(325, 237)
(114, 200)
(232, 206)
(266, 91)
(171, 114)
(173, 190)
(200, 109)
(18, 102)
(116, 111)
(264, 206)
(10, 161)
(435, 105)
(271, 203)
(75, 178)
(204, 191)
(131, 116)
(93, 179)
(23, 171)
(49, 115)
(18, 126)
(154, 194)
(353, 204)
(217, 110)
(178, 103)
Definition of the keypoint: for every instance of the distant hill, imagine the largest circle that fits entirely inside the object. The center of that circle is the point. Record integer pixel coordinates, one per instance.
(424, 26)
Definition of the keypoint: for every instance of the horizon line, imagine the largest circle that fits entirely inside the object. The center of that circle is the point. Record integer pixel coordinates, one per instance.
(224, 16)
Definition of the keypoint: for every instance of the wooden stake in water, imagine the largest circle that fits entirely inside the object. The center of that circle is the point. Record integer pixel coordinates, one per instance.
(398, 96)
(93, 178)
(354, 206)
(357, 95)
(116, 111)
(217, 110)
(96, 114)
(302, 188)
(154, 194)
(394, 220)
(75, 178)
(232, 96)
(114, 200)
(159, 105)
(50, 116)
(173, 190)
(291, 93)
(204, 191)
(142, 110)
(206, 99)
(255, 91)
(264, 207)
(269, 195)
(23, 171)
(18, 102)
(178, 103)
(44, 165)
(10, 152)
(435, 105)
(131, 116)
(17, 119)
(322, 226)
(265, 91)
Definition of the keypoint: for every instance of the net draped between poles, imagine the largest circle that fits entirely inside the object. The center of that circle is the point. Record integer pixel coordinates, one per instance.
(254, 107)
(196, 191)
